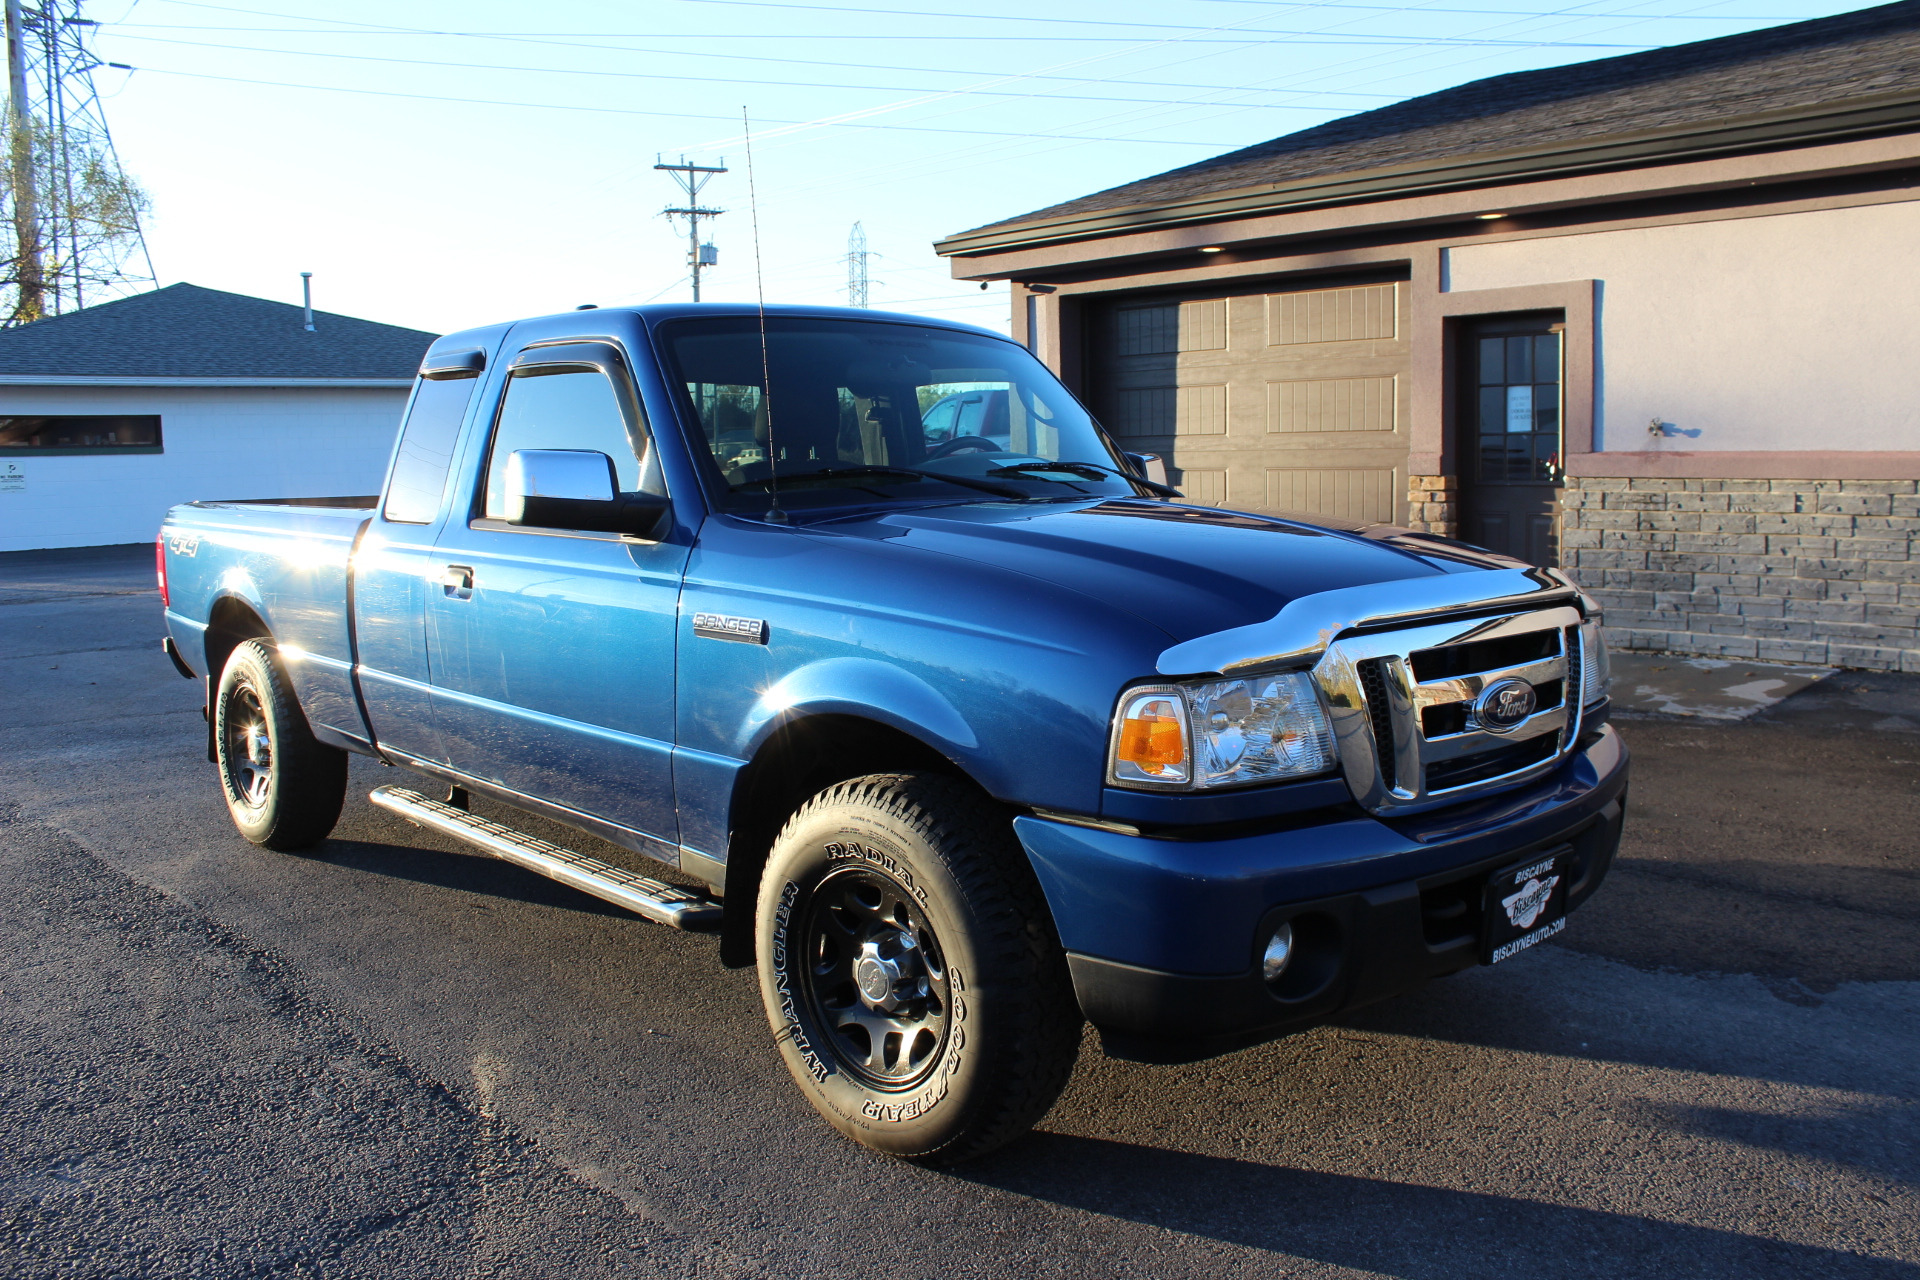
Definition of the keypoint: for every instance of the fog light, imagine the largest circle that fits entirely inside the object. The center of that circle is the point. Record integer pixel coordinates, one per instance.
(1273, 962)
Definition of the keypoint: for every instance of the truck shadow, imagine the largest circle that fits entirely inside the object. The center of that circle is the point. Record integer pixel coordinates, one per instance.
(1685, 1023)
(1874, 1137)
(1392, 1228)
(467, 872)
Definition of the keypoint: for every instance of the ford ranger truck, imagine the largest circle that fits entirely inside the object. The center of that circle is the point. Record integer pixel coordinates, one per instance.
(962, 736)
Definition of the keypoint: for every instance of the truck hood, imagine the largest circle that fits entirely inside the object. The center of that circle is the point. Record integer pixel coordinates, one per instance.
(1191, 571)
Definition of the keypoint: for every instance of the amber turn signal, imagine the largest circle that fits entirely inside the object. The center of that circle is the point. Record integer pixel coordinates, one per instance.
(1150, 738)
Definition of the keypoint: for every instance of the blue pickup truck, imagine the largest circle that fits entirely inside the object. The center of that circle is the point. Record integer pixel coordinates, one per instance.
(963, 739)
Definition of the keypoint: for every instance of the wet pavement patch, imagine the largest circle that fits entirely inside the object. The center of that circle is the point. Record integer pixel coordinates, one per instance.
(1708, 688)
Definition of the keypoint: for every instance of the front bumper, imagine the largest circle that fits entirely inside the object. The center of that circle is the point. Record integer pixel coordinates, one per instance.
(1163, 935)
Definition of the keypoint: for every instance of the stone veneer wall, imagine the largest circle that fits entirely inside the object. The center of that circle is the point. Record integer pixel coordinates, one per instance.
(1432, 504)
(1814, 571)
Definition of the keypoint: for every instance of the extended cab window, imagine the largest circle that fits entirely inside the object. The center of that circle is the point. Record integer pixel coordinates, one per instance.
(558, 407)
(845, 411)
(426, 449)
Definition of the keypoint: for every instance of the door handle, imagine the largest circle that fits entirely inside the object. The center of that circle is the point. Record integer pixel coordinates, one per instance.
(457, 582)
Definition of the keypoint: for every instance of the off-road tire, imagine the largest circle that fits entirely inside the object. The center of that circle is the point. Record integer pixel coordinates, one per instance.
(973, 921)
(284, 787)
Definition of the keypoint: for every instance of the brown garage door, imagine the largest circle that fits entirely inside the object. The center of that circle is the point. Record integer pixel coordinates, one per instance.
(1279, 401)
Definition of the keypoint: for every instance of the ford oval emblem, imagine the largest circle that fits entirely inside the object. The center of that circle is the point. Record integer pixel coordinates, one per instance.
(1504, 705)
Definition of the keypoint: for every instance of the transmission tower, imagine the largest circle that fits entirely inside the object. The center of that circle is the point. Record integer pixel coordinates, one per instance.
(75, 213)
(857, 266)
(691, 178)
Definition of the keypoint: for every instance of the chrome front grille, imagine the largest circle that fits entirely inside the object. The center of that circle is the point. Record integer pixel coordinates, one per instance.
(1373, 688)
(1409, 719)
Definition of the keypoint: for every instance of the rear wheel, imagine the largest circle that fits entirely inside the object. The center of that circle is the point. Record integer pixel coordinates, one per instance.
(284, 787)
(910, 968)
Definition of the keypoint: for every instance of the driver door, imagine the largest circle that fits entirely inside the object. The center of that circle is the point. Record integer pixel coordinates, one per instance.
(552, 650)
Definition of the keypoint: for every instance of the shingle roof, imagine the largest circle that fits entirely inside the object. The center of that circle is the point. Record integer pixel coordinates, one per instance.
(1806, 64)
(185, 331)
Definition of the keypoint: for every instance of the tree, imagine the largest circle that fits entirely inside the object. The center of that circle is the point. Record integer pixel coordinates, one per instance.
(75, 216)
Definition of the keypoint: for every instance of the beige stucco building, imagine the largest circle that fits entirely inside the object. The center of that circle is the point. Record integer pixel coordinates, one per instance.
(1653, 318)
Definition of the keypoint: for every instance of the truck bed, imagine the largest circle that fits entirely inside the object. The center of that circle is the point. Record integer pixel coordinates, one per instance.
(285, 560)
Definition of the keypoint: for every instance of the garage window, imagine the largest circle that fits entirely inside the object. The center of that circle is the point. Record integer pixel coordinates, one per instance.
(79, 433)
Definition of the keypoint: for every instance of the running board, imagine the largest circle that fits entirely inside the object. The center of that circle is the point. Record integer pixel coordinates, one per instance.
(663, 903)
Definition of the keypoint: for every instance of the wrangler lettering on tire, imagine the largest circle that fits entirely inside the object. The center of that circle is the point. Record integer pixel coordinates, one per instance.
(910, 970)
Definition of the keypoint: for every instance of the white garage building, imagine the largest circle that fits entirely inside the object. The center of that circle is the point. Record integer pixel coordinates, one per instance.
(111, 414)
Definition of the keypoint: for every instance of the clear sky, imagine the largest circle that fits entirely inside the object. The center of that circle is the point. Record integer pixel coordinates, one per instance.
(440, 164)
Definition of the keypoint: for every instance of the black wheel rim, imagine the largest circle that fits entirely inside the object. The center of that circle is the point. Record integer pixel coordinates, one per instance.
(875, 978)
(249, 746)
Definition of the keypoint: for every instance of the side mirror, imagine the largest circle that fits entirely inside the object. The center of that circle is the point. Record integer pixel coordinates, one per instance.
(1150, 465)
(576, 489)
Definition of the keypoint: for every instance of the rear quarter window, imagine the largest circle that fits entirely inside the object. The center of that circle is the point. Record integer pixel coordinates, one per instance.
(427, 442)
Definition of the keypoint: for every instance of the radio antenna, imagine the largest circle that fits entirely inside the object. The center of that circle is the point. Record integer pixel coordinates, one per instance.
(775, 515)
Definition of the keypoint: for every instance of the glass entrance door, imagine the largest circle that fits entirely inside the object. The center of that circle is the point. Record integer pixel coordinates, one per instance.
(1510, 437)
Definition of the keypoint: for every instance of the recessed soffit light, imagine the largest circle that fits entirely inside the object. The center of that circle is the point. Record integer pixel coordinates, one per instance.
(1213, 248)
(1489, 217)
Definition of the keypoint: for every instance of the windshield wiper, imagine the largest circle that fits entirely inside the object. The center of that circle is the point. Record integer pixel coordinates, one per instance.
(965, 482)
(1089, 471)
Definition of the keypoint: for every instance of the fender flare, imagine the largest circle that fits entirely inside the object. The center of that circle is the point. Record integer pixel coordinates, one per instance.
(845, 689)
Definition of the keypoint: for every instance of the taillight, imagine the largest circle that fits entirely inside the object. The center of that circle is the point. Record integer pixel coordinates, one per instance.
(160, 568)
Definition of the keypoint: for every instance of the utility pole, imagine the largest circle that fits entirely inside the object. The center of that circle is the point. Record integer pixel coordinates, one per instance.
(30, 283)
(857, 266)
(691, 177)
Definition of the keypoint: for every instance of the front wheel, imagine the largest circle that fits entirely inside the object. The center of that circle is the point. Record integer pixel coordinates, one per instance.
(284, 787)
(910, 969)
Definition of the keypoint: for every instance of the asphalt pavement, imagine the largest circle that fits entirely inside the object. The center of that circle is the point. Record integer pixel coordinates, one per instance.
(394, 1058)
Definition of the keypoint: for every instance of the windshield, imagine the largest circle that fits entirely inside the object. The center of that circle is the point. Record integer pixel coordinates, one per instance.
(866, 411)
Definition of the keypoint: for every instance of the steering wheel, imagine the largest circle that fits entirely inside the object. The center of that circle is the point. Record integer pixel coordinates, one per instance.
(963, 444)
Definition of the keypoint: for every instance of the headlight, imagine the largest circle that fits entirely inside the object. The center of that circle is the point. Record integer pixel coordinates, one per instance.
(1220, 733)
(1596, 669)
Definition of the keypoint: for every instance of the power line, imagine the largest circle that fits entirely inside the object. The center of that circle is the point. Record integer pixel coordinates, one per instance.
(1521, 13)
(1006, 17)
(368, 28)
(1185, 37)
(1287, 4)
(846, 118)
(868, 113)
(1005, 140)
(1135, 114)
(1292, 38)
(686, 53)
(997, 151)
(650, 75)
(957, 300)
(1567, 15)
(627, 111)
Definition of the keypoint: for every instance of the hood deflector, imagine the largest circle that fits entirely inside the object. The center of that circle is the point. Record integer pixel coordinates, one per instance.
(1303, 629)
